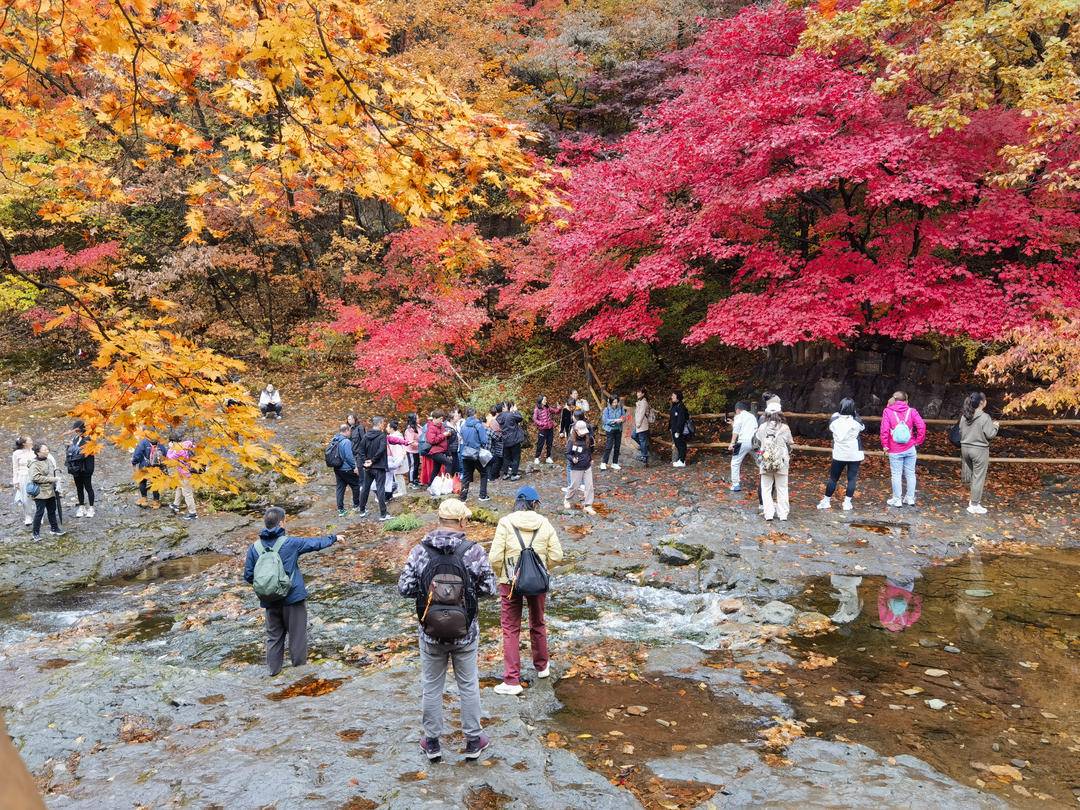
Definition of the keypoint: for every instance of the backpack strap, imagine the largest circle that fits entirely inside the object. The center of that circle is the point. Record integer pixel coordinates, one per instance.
(522, 542)
(260, 545)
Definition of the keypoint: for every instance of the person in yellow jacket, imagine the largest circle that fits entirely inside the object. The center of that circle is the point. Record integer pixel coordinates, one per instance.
(536, 531)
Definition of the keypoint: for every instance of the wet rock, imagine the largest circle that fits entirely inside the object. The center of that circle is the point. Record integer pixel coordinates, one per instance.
(951, 649)
(675, 552)
(731, 605)
(777, 613)
(936, 704)
(811, 622)
(672, 555)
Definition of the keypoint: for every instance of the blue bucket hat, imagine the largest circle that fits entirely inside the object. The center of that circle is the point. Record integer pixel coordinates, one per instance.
(528, 494)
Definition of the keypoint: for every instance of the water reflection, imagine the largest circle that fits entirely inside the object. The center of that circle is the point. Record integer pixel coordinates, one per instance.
(899, 607)
(849, 603)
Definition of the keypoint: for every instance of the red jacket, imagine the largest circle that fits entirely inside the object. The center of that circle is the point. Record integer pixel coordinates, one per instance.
(437, 438)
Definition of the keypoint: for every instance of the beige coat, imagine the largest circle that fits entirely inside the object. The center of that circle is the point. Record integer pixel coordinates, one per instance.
(43, 472)
(533, 526)
(641, 416)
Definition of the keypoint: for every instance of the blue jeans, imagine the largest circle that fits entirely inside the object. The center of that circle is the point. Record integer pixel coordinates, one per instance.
(903, 463)
(642, 439)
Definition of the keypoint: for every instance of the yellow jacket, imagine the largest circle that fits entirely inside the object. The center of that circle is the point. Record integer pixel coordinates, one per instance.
(534, 527)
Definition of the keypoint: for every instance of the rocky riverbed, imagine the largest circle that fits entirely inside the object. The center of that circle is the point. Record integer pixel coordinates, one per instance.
(702, 657)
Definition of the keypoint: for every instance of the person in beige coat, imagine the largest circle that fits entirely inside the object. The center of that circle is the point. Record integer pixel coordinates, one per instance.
(524, 526)
(643, 419)
(976, 431)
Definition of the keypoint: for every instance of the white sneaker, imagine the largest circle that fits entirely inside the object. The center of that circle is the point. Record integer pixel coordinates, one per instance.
(28, 521)
(545, 672)
(508, 689)
(895, 502)
(603, 466)
(80, 512)
(549, 461)
(536, 461)
(616, 467)
(909, 501)
(824, 503)
(90, 512)
(976, 509)
(566, 504)
(582, 488)
(589, 510)
(848, 505)
(678, 464)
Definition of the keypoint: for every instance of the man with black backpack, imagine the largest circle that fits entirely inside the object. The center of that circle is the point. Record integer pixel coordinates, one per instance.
(525, 547)
(340, 458)
(373, 462)
(272, 567)
(447, 574)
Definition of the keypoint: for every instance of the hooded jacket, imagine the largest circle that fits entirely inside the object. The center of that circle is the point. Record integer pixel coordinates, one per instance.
(581, 448)
(535, 530)
(845, 432)
(373, 449)
(345, 450)
(474, 434)
(476, 562)
(437, 438)
(677, 418)
(290, 552)
(512, 432)
(543, 418)
(893, 415)
(978, 432)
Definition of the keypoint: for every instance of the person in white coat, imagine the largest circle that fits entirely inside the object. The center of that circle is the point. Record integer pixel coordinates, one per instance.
(846, 428)
(20, 476)
(270, 402)
(742, 438)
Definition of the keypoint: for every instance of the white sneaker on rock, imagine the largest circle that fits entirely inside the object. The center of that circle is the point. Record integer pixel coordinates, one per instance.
(895, 502)
(616, 467)
(508, 689)
(589, 510)
(80, 512)
(545, 672)
(848, 506)
(824, 503)
(909, 501)
(603, 466)
(549, 461)
(976, 509)
(90, 512)
(536, 461)
(28, 521)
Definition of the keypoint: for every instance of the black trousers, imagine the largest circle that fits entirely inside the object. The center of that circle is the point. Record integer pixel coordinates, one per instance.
(44, 506)
(471, 467)
(544, 439)
(347, 478)
(144, 488)
(414, 468)
(84, 487)
(680, 445)
(378, 479)
(269, 409)
(282, 621)
(612, 445)
(834, 476)
(511, 459)
(441, 463)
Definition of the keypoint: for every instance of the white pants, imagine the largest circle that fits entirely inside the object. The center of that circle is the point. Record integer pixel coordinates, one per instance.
(780, 508)
(26, 501)
(577, 478)
(737, 460)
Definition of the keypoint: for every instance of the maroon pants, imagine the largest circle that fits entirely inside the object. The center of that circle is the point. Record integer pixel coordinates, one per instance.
(510, 621)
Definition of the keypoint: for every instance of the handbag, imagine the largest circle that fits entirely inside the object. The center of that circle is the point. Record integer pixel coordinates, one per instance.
(33, 489)
(736, 448)
(954, 434)
(484, 456)
(688, 428)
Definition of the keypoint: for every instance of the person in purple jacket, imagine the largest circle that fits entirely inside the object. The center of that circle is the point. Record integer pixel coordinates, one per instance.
(902, 430)
(288, 616)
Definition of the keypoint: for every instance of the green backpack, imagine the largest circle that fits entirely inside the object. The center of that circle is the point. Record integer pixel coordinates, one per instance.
(271, 580)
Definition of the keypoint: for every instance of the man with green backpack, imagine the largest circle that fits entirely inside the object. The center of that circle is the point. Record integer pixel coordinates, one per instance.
(273, 570)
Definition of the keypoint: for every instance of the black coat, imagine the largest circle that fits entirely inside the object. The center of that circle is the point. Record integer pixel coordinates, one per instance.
(512, 432)
(373, 449)
(677, 418)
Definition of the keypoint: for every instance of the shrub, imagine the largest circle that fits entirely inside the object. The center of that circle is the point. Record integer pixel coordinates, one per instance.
(705, 391)
(403, 523)
(626, 363)
(489, 390)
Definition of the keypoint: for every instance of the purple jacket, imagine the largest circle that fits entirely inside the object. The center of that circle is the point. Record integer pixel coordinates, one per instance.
(543, 418)
(895, 414)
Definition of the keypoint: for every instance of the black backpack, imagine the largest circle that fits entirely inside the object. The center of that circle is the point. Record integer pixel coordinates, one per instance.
(447, 605)
(530, 575)
(74, 458)
(333, 454)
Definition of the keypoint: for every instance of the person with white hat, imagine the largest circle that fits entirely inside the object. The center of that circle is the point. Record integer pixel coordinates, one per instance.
(270, 402)
(579, 453)
(773, 443)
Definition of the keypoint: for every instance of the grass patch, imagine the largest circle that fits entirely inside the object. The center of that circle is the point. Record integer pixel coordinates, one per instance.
(403, 523)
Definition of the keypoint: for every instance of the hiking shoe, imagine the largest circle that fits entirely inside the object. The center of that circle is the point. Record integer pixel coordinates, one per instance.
(431, 747)
(603, 465)
(545, 672)
(616, 467)
(384, 518)
(824, 503)
(589, 510)
(848, 505)
(976, 509)
(60, 533)
(509, 689)
(476, 746)
(189, 516)
(342, 512)
(896, 502)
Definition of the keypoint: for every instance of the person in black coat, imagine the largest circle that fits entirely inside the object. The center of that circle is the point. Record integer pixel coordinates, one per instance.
(513, 436)
(678, 416)
(372, 463)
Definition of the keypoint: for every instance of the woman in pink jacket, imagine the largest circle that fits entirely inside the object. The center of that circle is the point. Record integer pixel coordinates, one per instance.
(180, 452)
(544, 419)
(902, 430)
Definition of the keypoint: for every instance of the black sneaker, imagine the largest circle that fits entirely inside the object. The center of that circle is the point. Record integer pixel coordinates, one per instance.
(36, 538)
(384, 518)
(431, 747)
(484, 499)
(189, 516)
(476, 746)
(60, 533)
(362, 514)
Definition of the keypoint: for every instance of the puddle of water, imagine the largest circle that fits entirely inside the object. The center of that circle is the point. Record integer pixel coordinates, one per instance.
(617, 727)
(149, 625)
(308, 686)
(55, 663)
(883, 527)
(169, 570)
(1009, 680)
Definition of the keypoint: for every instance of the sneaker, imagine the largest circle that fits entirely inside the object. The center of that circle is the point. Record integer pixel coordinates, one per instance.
(566, 490)
(976, 509)
(515, 477)
(736, 488)
(678, 464)
(616, 467)
(190, 516)
(549, 461)
(909, 501)
(431, 747)
(362, 514)
(589, 510)
(674, 464)
(384, 518)
(603, 466)
(175, 508)
(545, 672)
(536, 461)
(896, 502)
(342, 512)
(566, 504)
(848, 506)
(59, 533)
(28, 521)
(36, 538)
(824, 503)
(476, 746)
(80, 512)
(582, 488)
(90, 512)
(484, 499)
(508, 689)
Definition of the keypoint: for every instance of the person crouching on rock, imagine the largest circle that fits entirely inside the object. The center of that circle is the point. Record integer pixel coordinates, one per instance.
(272, 568)
(447, 574)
